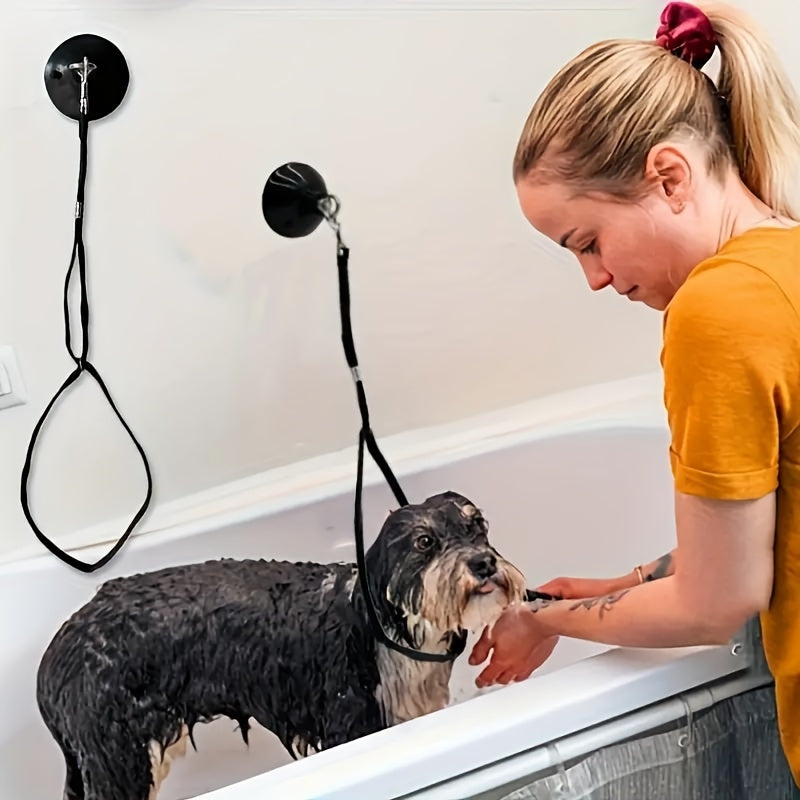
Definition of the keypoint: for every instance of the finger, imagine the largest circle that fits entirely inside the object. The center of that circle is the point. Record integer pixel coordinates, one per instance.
(558, 587)
(480, 651)
(551, 585)
(509, 676)
(488, 676)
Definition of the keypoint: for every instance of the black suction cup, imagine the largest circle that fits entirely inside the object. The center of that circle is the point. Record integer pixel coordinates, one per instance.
(290, 200)
(108, 76)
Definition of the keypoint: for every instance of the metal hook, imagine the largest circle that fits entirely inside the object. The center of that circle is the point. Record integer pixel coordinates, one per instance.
(685, 739)
(329, 208)
(83, 68)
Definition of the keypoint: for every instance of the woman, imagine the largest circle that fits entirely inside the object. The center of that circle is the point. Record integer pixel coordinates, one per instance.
(685, 196)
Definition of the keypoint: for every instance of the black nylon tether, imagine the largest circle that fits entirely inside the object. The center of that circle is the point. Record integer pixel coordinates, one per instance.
(82, 363)
(366, 439)
(329, 206)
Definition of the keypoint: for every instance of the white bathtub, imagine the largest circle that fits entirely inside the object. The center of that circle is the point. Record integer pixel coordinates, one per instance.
(578, 484)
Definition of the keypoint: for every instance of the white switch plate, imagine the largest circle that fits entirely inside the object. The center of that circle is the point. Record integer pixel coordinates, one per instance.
(9, 366)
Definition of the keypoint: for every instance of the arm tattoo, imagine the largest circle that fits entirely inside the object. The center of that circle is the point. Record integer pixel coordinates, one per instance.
(661, 568)
(606, 602)
(537, 600)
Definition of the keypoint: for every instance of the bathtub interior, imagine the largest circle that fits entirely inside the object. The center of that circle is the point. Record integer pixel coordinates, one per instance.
(592, 502)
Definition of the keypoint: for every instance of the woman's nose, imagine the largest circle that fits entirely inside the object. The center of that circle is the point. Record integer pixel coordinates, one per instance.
(597, 276)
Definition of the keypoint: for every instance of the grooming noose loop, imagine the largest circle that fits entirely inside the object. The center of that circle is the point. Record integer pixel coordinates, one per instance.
(81, 358)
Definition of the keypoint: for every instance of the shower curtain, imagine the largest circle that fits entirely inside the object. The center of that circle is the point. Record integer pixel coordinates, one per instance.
(731, 751)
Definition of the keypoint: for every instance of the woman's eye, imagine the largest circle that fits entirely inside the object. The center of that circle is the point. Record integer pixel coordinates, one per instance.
(590, 248)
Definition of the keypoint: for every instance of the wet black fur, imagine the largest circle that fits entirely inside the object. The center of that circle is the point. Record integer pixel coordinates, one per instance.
(242, 639)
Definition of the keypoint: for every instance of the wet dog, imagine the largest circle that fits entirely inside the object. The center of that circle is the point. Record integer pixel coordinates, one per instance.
(126, 678)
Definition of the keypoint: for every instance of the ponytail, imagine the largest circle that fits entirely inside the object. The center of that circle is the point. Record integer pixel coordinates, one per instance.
(763, 107)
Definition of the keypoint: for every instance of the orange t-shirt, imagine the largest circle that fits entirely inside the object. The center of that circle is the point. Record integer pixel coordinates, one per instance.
(731, 361)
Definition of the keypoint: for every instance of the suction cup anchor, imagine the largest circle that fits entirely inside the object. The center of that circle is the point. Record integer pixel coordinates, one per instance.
(107, 79)
(291, 200)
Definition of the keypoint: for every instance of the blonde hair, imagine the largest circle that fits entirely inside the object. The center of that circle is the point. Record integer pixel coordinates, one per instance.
(599, 116)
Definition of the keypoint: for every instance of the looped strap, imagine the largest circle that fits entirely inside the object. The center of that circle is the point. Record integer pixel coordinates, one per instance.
(366, 439)
(82, 365)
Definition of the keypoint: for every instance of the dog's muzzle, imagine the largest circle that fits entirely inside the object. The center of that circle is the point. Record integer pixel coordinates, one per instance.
(483, 568)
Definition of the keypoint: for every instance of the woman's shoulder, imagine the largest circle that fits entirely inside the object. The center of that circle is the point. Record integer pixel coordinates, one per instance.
(754, 278)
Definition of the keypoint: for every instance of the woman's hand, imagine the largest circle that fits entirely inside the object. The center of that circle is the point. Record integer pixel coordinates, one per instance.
(517, 644)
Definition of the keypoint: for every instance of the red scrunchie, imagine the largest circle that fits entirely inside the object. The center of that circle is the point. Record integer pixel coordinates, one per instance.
(686, 31)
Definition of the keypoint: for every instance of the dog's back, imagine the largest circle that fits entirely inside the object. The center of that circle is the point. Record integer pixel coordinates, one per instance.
(281, 642)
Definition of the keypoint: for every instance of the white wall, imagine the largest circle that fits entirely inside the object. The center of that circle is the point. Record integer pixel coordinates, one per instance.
(220, 340)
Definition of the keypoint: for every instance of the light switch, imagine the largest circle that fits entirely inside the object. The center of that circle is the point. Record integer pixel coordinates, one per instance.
(12, 389)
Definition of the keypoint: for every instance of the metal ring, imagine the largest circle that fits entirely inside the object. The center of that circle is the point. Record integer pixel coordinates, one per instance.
(329, 206)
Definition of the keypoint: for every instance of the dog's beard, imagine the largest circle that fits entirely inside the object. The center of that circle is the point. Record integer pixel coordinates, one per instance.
(452, 600)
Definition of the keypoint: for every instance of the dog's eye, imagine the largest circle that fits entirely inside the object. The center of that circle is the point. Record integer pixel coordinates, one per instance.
(423, 542)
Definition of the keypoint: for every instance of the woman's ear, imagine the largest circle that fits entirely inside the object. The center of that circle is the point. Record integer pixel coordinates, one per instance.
(668, 169)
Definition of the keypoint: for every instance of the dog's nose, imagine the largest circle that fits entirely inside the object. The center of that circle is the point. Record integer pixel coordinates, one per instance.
(483, 566)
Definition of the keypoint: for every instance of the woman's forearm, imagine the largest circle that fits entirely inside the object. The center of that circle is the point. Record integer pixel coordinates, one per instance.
(590, 587)
(652, 614)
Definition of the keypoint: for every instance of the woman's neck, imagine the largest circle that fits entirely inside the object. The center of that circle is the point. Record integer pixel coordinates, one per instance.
(742, 210)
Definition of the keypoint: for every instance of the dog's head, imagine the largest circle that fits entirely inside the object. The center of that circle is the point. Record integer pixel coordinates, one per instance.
(434, 575)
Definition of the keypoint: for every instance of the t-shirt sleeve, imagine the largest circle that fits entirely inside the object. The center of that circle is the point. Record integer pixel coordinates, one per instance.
(729, 369)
